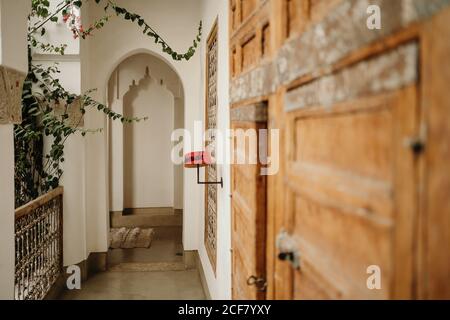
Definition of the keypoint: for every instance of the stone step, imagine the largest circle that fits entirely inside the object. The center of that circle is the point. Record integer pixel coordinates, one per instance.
(145, 220)
(152, 211)
(148, 266)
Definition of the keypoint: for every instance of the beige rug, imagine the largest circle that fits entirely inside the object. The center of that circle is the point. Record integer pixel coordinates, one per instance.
(129, 238)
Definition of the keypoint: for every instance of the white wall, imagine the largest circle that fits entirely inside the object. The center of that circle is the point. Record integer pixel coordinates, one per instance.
(157, 183)
(178, 169)
(177, 21)
(6, 212)
(13, 53)
(148, 169)
(219, 285)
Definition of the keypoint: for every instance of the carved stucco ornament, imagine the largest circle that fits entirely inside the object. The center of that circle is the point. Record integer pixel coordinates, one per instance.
(11, 84)
(73, 110)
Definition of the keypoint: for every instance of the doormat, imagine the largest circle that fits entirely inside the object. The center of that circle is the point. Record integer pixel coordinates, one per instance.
(129, 238)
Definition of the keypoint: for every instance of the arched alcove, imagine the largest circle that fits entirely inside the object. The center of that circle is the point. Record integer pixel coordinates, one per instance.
(142, 174)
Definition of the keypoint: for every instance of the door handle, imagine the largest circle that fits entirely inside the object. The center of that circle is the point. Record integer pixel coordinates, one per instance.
(287, 249)
(259, 282)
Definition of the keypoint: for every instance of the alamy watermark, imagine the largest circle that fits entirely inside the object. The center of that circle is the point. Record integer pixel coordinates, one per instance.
(374, 20)
(73, 281)
(374, 280)
(232, 146)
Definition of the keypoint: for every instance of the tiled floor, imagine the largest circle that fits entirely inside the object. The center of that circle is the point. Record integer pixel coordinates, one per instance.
(166, 247)
(164, 285)
(155, 285)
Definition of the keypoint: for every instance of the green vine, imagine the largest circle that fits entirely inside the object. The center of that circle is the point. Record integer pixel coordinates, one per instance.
(150, 32)
(46, 104)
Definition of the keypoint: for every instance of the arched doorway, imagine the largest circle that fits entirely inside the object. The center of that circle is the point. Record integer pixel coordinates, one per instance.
(146, 187)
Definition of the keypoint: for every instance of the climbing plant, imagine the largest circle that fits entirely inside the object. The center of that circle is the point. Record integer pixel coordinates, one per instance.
(48, 108)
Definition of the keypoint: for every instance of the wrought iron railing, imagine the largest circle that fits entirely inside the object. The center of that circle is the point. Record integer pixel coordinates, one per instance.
(39, 246)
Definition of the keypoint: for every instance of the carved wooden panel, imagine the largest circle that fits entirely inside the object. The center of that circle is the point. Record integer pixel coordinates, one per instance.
(292, 16)
(249, 52)
(211, 124)
(247, 8)
(251, 39)
(11, 83)
(235, 18)
(265, 40)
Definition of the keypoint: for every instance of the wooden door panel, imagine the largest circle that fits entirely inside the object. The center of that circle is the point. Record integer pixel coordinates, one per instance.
(341, 246)
(240, 276)
(311, 285)
(245, 237)
(247, 8)
(248, 217)
(342, 174)
(357, 142)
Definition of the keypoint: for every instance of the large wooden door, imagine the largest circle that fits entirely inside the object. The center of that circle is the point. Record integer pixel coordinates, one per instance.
(250, 46)
(362, 188)
(358, 164)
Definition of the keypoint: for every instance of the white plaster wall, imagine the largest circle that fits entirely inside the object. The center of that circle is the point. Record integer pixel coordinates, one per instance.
(164, 77)
(13, 53)
(6, 212)
(73, 178)
(13, 28)
(178, 169)
(219, 285)
(116, 157)
(148, 169)
(177, 21)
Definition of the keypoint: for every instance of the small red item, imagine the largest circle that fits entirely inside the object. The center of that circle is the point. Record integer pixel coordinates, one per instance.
(200, 158)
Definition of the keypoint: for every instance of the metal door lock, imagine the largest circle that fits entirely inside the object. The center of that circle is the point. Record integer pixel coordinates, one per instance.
(259, 282)
(416, 144)
(288, 250)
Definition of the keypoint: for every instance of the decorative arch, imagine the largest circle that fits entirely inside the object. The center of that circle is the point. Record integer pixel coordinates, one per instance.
(134, 52)
(115, 130)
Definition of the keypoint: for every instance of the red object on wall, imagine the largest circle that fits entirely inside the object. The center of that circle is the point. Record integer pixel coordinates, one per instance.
(194, 159)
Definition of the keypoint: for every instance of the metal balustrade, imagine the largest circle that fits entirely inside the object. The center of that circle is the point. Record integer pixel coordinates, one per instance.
(38, 246)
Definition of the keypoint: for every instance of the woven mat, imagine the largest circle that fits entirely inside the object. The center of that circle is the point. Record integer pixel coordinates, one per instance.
(129, 238)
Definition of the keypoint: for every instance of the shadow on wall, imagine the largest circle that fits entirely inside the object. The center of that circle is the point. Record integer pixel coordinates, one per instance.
(148, 169)
(142, 174)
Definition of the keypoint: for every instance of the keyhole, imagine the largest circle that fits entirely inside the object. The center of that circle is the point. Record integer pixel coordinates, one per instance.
(417, 147)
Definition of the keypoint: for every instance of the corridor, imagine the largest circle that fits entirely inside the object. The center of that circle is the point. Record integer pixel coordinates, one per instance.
(125, 285)
(225, 149)
(160, 272)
